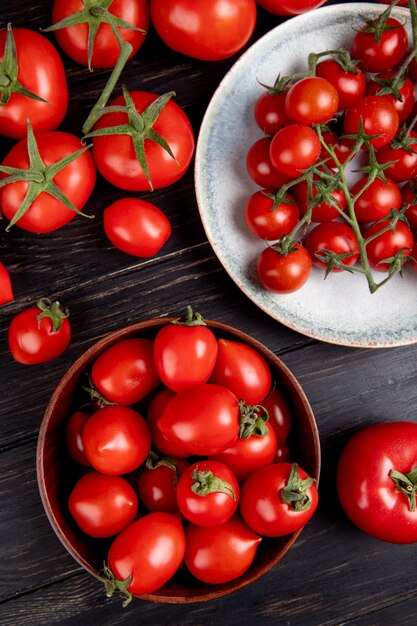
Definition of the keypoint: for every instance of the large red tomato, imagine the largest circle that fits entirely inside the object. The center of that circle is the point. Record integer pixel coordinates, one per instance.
(158, 483)
(6, 291)
(156, 408)
(74, 437)
(279, 413)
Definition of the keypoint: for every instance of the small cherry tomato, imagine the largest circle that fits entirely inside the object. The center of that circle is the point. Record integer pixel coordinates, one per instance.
(376, 199)
(379, 55)
(335, 237)
(269, 112)
(349, 84)
(311, 100)
(266, 221)
(74, 439)
(323, 210)
(157, 485)
(155, 410)
(279, 413)
(403, 106)
(281, 273)
(409, 196)
(294, 148)
(260, 168)
(6, 290)
(387, 244)
(402, 159)
(378, 117)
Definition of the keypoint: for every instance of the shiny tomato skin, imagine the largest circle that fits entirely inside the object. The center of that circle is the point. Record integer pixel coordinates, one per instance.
(409, 197)
(350, 86)
(404, 106)
(243, 370)
(379, 117)
(116, 440)
(209, 31)
(387, 244)
(260, 168)
(136, 227)
(203, 419)
(311, 100)
(289, 7)
(125, 373)
(150, 551)
(324, 211)
(73, 437)
(32, 342)
(413, 259)
(335, 236)
(261, 504)
(41, 71)
(115, 156)
(376, 200)
(157, 487)
(279, 412)
(6, 290)
(222, 553)
(267, 222)
(74, 40)
(404, 162)
(368, 495)
(283, 452)
(382, 56)
(159, 441)
(77, 181)
(269, 112)
(184, 355)
(294, 148)
(103, 505)
(284, 273)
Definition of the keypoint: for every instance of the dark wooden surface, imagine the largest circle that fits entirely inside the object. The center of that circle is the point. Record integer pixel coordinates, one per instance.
(334, 574)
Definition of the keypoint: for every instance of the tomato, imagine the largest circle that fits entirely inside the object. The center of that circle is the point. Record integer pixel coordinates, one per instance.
(270, 500)
(269, 112)
(387, 244)
(125, 373)
(409, 197)
(155, 410)
(203, 419)
(185, 352)
(283, 452)
(350, 85)
(323, 211)
(279, 413)
(289, 7)
(221, 553)
(266, 221)
(136, 227)
(335, 237)
(403, 160)
(148, 553)
(103, 505)
(208, 493)
(414, 258)
(284, 273)
(260, 168)
(378, 116)
(376, 200)
(157, 485)
(117, 159)
(204, 30)
(406, 90)
(294, 148)
(6, 290)
(76, 180)
(40, 70)
(116, 440)
(243, 370)
(106, 49)
(311, 100)
(73, 437)
(382, 55)
(376, 481)
(40, 333)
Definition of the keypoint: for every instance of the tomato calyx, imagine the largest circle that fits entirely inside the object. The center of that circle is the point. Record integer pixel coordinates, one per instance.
(192, 319)
(95, 396)
(154, 461)
(407, 484)
(334, 260)
(377, 27)
(295, 491)
(404, 140)
(53, 311)
(341, 56)
(253, 420)
(205, 482)
(374, 169)
(112, 584)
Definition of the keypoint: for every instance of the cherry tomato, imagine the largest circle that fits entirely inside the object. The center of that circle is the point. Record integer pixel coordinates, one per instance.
(414, 258)
(294, 148)
(204, 30)
(374, 483)
(269, 112)
(155, 410)
(279, 413)
(378, 117)
(260, 168)
(382, 55)
(40, 333)
(311, 100)
(324, 211)
(266, 221)
(387, 244)
(270, 499)
(203, 419)
(336, 237)
(6, 291)
(103, 505)
(73, 437)
(289, 7)
(350, 85)
(116, 440)
(125, 373)
(137, 227)
(403, 160)
(409, 197)
(149, 551)
(406, 90)
(221, 553)
(376, 200)
(284, 273)
(41, 71)
(157, 486)
(243, 370)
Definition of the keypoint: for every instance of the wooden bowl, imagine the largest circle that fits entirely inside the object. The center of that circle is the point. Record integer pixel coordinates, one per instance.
(57, 473)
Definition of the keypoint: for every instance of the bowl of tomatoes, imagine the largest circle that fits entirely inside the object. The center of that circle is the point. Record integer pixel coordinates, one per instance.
(149, 452)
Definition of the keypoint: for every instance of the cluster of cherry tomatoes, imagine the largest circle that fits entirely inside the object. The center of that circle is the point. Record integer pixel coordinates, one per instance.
(211, 455)
(349, 109)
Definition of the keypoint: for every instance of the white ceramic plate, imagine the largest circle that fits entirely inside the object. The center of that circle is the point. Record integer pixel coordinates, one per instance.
(340, 309)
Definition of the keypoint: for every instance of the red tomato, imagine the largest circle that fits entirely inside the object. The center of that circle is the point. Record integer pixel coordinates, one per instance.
(409, 197)
(185, 352)
(41, 71)
(106, 50)
(378, 56)
(403, 160)
(270, 502)
(376, 200)
(279, 413)
(243, 370)
(157, 486)
(103, 505)
(406, 90)
(387, 244)
(6, 291)
(73, 437)
(115, 155)
(378, 117)
(311, 100)
(283, 452)
(40, 333)
(269, 112)
(155, 410)
(149, 551)
(208, 493)
(324, 211)
(294, 148)
(125, 373)
(204, 30)
(116, 440)
(260, 168)
(136, 227)
(350, 85)
(289, 7)
(75, 180)
(414, 258)
(203, 419)
(336, 237)
(267, 222)
(222, 553)
(374, 483)
(284, 273)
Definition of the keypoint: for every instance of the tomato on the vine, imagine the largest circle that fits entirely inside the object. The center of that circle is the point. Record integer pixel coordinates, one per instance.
(284, 273)
(401, 159)
(6, 290)
(267, 221)
(260, 168)
(336, 237)
(405, 104)
(377, 116)
(311, 100)
(409, 196)
(269, 112)
(349, 84)
(325, 210)
(388, 244)
(384, 53)
(294, 148)
(376, 199)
